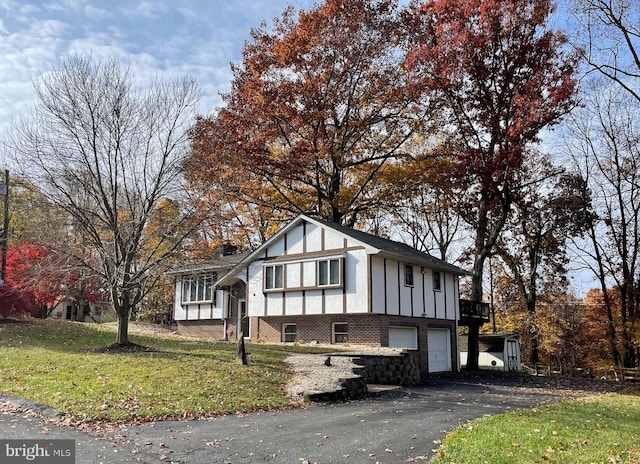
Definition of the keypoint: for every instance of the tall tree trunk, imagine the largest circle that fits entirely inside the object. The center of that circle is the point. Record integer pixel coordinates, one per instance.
(611, 323)
(473, 353)
(529, 298)
(629, 350)
(628, 318)
(123, 329)
(534, 355)
(123, 311)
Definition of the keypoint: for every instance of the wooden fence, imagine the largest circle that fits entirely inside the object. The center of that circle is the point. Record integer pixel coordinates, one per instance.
(619, 374)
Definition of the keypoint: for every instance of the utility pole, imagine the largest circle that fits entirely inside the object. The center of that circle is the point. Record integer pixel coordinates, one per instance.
(4, 192)
(493, 310)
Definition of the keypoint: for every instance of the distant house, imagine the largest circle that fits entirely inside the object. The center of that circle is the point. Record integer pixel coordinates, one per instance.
(497, 352)
(64, 308)
(317, 281)
(68, 308)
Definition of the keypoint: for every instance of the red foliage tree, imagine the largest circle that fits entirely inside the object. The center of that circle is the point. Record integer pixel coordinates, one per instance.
(503, 77)
(31, 271)
(14, 303)
(43, 275)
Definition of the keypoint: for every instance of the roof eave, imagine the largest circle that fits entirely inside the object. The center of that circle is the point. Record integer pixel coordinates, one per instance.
(436, 266)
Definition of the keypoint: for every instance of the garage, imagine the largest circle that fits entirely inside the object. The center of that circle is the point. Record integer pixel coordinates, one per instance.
(439, 346)
(403, 337)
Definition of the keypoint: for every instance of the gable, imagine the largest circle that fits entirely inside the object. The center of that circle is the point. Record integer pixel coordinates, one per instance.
(307, 236)
(306, 239)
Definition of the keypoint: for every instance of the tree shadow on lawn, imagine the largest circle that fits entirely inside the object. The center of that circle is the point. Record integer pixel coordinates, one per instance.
(134, 348)
(11, 320)
(73, 337)
(127, 348)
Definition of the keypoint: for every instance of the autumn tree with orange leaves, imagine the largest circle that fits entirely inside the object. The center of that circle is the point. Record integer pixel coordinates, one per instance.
(533, 248)
(320, 108)
(604, 150)
(504, 76)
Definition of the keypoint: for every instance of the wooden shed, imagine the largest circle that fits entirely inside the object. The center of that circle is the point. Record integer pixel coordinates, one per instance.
(497, 352)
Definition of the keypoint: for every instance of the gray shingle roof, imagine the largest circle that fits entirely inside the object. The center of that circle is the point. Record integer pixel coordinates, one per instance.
(219, 263)
(399, 249)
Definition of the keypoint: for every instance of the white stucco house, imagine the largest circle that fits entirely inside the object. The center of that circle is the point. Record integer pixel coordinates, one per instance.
(318, 281)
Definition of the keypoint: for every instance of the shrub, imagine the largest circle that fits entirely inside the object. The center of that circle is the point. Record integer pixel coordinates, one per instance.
(13, 303)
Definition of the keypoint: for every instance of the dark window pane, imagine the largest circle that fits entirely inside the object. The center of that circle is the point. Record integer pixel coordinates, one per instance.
(334, 277)
(279, 281)
(323, 273)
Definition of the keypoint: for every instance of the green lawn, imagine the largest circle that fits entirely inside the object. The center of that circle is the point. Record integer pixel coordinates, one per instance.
(599, 429)
(58, 363)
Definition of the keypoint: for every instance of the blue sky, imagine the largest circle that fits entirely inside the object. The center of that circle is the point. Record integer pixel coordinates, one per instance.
(166, 38)
(156, 37)
(160, 37)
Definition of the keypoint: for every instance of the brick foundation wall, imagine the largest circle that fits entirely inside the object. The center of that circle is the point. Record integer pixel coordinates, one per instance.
(206, 329)
(364, 329)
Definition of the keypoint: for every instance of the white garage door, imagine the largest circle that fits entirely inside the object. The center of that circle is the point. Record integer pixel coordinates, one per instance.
(403, 337)
(439, 345)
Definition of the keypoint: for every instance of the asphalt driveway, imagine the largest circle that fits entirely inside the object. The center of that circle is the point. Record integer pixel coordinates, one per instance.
(392, 426)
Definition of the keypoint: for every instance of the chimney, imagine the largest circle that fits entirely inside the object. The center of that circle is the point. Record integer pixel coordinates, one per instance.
(225, 249)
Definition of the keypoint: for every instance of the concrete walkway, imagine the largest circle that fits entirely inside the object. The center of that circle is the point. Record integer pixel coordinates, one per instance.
(391, 426)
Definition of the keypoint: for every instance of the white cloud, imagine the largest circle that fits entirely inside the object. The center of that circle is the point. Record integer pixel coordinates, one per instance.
(147, 9)
(64, 6)
(95, 13)
(166, 38)
(26, 54)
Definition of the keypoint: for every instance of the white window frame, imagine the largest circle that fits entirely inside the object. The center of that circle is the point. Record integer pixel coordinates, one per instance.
(437, 281)
(198, 289)
(335, 334)
(285, 333)
(270, 277)
(326, 278)
(408, 282)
